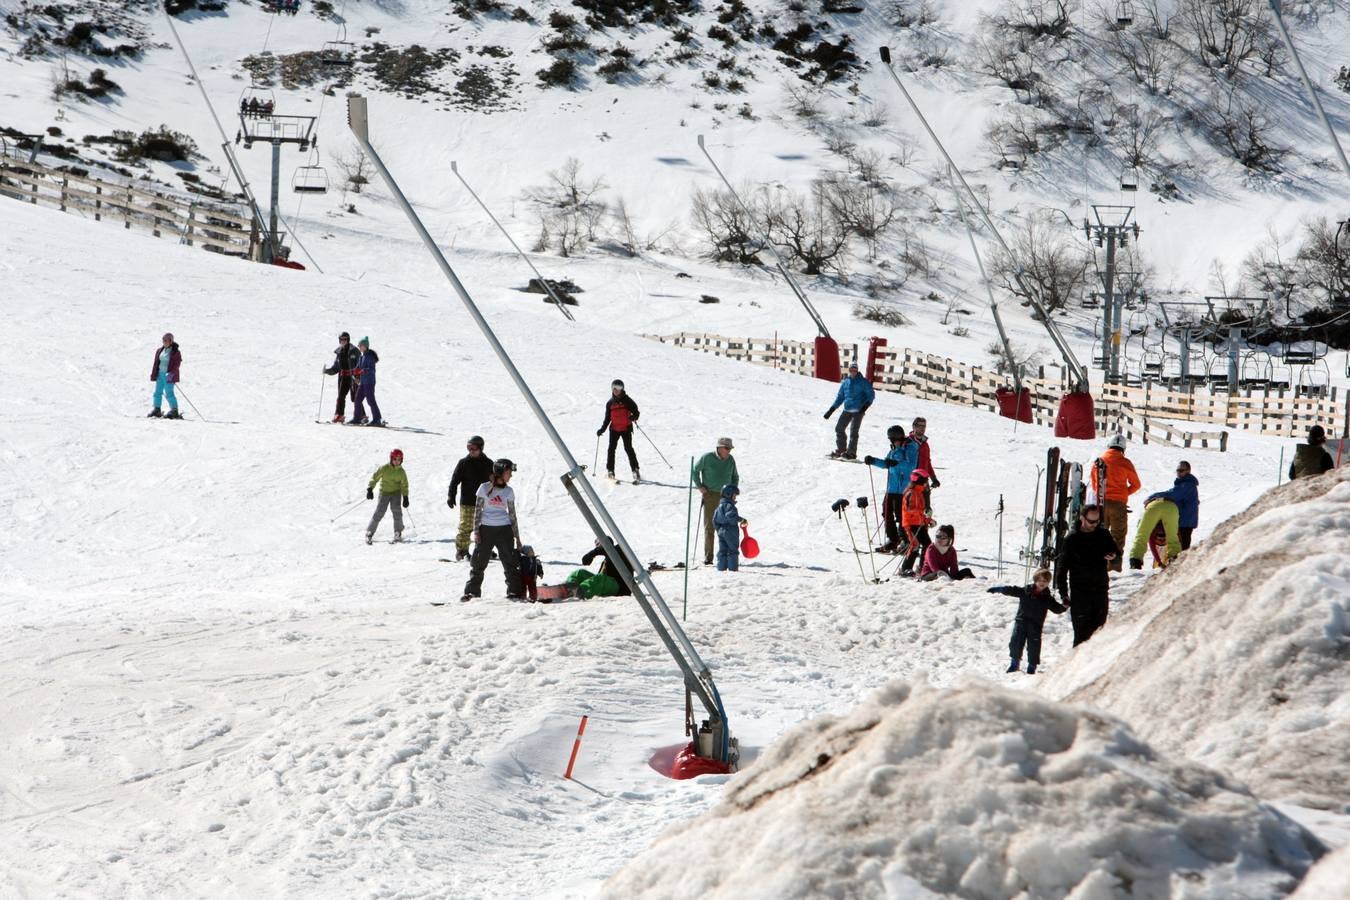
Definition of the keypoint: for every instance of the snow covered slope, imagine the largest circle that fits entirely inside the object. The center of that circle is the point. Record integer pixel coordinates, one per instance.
(975, 792)
(1247, 637)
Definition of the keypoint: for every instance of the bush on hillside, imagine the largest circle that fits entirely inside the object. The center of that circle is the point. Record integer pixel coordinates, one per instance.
(1053, 266)
(732, 234)
(880, 312)
(561, 73)
(160, 143)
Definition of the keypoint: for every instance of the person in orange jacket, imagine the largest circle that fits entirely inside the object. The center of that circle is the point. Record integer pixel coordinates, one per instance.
(1121, 481)
(915, 517)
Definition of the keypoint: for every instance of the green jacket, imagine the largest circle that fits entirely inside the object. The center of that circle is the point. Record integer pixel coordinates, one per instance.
(392, 479)
(713, 473)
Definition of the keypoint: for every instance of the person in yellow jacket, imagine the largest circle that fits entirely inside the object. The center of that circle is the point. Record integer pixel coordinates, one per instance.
(1121, 481)
(1158, 512)
(393, 482)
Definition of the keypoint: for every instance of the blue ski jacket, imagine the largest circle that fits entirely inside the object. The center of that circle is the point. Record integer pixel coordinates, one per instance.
(899, 465)
(365, 369)
(726, 518)
(855, 394)
(1185, 493)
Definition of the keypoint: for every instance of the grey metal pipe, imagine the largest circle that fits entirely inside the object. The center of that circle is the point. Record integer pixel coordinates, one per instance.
(1308, 86)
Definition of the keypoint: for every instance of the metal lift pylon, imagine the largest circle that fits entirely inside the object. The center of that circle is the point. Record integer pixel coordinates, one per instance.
(713, 748)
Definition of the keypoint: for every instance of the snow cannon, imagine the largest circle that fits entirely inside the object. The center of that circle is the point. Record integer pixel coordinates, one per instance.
(1076, 416)
(698, 757)
(1013, 404)
(749, 546)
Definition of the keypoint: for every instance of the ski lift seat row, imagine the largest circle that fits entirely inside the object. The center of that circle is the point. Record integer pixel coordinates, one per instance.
(310, 180)
(338, 54)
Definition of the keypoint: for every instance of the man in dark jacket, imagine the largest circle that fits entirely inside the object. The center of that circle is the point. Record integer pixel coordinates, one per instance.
(345, 360)
(1311, 458)
(1080, 573)
(1185, 493)
(164, 374)
(621, 415)
(470, 473)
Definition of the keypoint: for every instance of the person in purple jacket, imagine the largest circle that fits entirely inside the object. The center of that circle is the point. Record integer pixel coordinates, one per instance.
(165, 375)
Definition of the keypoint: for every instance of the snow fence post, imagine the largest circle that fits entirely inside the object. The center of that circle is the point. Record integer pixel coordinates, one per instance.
(576, 745)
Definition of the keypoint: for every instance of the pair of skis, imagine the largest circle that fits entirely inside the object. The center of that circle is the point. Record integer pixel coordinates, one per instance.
(1060, 504)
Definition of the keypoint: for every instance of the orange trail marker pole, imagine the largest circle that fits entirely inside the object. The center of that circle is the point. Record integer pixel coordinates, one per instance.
(576, 745)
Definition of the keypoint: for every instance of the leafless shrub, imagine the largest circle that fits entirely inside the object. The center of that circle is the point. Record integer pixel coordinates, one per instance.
(880, 312)
(1136, 138)
(1023, 358)
(569, 209)
(802, 100)
(807, 227)
(1226, 33)
(731, 232)
(1022, 134)
(353, 166)
(1245, 131)
(911, 13)
(1003, 56)
(1052, 265)
(862, 207)
(874, 115)
(1151, 61)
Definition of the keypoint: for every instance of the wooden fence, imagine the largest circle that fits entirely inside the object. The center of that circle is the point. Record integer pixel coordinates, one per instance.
(217, 227)
(1147, 413)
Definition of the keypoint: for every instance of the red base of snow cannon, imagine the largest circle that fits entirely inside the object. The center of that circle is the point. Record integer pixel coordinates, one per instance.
(1075, 418)
(827, 359)
(688, 764)
(1014, 404)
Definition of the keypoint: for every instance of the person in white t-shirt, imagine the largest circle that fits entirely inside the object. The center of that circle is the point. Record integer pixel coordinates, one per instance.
(495, 527)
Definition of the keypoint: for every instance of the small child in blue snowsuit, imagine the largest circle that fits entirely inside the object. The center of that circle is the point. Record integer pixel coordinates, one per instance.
(1033, 601)
(725, 522)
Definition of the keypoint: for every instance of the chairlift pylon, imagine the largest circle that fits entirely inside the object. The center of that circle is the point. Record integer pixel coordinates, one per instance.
(311, 179)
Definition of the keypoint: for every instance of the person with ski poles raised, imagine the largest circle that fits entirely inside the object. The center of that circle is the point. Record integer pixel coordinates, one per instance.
(470, 474)
(855, 396)
(164, 373)
(899, 463)
(496, 527)
(714, 471)
(393, 482)
(1080, 572)
(621, 415)
(346, 358)
(1121, 482)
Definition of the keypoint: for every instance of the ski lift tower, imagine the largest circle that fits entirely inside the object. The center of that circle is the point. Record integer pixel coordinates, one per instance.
(1112, 228)
(258, 123)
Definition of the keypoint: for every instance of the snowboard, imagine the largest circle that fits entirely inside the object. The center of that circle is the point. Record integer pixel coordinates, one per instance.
(551, 592)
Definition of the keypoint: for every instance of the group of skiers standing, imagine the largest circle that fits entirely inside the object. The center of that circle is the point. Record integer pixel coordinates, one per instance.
(355, 368)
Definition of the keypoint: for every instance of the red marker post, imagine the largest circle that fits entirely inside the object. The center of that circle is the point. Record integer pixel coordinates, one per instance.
(576, 745)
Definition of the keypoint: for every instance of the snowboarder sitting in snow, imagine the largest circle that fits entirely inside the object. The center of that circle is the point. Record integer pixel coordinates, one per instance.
(1033, 602)
(940, 558)
(531, 570)
(915, 516)
(621, 415)
(608, 582)
(393, 482)
(855, 395)
(899, 464)
(726, 520)
(1162, 513)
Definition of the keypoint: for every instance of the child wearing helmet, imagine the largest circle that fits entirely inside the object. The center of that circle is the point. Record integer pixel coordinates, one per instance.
(495, 527)
(393, 482)
(726, 520)
(621, 415)
(899, 464)
(916, 517)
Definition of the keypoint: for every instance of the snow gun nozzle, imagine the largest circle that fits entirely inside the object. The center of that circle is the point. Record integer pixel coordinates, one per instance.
(886, 55)
(861, 502)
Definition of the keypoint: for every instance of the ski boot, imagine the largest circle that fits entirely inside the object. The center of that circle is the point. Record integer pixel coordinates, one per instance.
(154, 414)
(1136, 563)
(637, 477)
(1031, 670)
(173, 414)
(339, 418)
(835, 454)
(398, 537)
(466, 598)
(610, 475)
(375, 423)
(461, 555)
(848, 454)
(357, 422)
(1013, 666)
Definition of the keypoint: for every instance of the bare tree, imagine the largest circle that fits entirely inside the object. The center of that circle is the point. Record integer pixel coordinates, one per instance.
(1136, 138)
(1152, 61)
(569, 208)
(911, 13)
(805, 225)
(1052, 266)
(733, 235)
(1324, 265)
(1241, 127)
(354, 167)
(862, 207)
(1226, 33)
(802, 100)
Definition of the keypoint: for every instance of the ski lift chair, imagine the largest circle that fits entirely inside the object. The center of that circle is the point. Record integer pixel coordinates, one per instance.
(310, 180)
(1152, 365)
(256, 102)
(1129, 179)
(337, 54)
(1314, 379)
(1256, 370)
(1124, 13)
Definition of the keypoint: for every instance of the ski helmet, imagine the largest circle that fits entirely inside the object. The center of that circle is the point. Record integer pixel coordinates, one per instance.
(1117, 442)
(919, 476)
(477, 441)
(895, 433)
(502, 466)
(395, 454)
(616, 383)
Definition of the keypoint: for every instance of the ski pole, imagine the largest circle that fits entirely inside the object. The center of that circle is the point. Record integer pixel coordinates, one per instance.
(654, 447)
(862, 508)
(193, 405)
(412, 526)
(1279, 473)
(323, 382)
(1031, 524)
(838, 508)
(1000, 535)
(876, 508)
(595, 463)
(345, 511)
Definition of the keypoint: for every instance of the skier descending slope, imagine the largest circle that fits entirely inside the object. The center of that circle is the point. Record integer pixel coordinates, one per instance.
(899, 464)
(495, 527)
(621, 415)
(393, 482)
(855, 396)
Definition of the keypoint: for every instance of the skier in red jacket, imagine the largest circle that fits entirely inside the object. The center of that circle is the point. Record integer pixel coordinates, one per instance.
(621, 415)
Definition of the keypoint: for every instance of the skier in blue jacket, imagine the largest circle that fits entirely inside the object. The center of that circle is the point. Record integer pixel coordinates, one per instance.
(855, 396)
(1185, 493)
(899, 464)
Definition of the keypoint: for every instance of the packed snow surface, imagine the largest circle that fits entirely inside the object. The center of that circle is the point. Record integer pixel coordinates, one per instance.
(1237, 655)
(975, 791)
(1329, 879)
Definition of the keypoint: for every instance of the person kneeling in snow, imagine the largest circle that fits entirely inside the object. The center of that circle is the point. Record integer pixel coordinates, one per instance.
(1033, 602)
(608, 582)
(940, 558)
(726, 520)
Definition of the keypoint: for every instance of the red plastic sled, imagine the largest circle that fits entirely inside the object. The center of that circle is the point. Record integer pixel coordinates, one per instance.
(749, 546)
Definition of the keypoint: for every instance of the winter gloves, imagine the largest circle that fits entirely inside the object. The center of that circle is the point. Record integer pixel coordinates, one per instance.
(450, 501)
(869, 459)
(600, 432)
(829, 412)
(370, 493)
(405, 501)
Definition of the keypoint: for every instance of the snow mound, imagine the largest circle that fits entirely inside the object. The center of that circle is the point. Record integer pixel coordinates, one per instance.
(1328, 880)
(977, 791)
(1236, 657)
